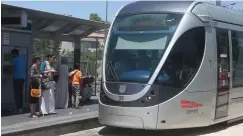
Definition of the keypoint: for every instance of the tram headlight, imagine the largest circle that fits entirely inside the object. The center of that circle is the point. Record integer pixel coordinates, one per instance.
(149, 97)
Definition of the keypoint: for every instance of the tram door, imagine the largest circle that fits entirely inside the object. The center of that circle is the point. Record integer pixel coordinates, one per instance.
(223, 74)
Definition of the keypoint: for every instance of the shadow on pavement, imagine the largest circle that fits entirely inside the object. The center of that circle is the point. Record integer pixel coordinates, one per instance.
(113, 131)
(26, 110)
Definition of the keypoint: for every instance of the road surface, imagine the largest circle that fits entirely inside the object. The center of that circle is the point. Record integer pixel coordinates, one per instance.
(234, 129)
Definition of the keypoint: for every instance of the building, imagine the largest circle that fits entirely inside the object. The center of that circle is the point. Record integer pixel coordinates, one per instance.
(87, 44)
(90, 42)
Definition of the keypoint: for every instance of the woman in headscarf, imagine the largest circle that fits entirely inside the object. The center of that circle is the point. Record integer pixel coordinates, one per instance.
(62, 94)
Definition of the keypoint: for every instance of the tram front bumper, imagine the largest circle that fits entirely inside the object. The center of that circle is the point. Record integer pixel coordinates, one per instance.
(128, 117)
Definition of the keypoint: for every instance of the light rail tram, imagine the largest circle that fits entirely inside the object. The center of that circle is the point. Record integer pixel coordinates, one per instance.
(172, 64)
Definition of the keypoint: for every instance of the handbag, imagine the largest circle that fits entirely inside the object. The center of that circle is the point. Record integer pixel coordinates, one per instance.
(35, 91)
(45, 83)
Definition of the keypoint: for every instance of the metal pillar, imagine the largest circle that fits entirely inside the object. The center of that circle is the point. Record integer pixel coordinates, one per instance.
(106, 19)
(56, 54)
(106, 11)
(96, 57)
(218, 2)
(77, 51)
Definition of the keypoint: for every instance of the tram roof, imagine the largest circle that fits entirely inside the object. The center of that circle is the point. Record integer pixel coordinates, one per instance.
(48, 25)
(155, 6)
(224, 15)
(215, 12)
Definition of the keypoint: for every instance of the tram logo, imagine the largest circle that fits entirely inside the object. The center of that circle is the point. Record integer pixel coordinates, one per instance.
(188, 104)
(122, 88)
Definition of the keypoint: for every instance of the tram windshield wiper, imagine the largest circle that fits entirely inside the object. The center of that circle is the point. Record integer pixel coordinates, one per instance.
(112, 71)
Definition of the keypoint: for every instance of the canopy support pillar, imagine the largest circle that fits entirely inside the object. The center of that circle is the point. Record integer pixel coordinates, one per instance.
(77, 51)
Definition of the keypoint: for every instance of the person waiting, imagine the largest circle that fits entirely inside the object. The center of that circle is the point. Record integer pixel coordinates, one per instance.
(76, 75)
(19, 69)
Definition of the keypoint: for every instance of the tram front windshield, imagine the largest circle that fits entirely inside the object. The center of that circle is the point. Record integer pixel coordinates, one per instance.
(137, 44)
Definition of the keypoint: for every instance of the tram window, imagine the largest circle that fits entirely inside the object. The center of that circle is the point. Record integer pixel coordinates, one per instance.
(237, 50)
(184, 59)
(137, 43)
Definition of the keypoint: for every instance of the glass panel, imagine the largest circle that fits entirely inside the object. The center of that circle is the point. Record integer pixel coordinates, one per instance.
(149, 42)
(223, 69)
(237, 49)
(223, 59)
(137, 44)
(183, 61)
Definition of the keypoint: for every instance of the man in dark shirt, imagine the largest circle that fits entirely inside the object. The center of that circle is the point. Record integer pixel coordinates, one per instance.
(19, 67)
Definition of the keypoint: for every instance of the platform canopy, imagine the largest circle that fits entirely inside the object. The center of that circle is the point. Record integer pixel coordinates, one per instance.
(54, 26)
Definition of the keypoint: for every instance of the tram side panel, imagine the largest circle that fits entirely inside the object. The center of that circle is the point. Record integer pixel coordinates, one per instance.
(193, 107)
(128, 117)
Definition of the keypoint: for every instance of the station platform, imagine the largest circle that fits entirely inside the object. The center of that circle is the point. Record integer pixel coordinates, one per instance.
(63, 122)
(234, 129)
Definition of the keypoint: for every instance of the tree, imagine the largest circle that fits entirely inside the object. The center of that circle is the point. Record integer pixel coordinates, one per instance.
(56, 47)
(43, 47)
(94, 17)
(92, 55)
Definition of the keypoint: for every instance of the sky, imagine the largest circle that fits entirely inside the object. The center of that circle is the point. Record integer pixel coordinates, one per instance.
(82, 9)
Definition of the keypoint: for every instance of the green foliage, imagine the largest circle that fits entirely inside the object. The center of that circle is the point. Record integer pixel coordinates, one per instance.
(92, 55)
(43, 47)
(94, 17)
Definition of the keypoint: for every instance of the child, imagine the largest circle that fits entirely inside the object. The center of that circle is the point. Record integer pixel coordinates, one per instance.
(76, 75)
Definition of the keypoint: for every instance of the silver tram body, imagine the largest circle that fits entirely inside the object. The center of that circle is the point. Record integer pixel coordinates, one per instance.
(171, 65)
